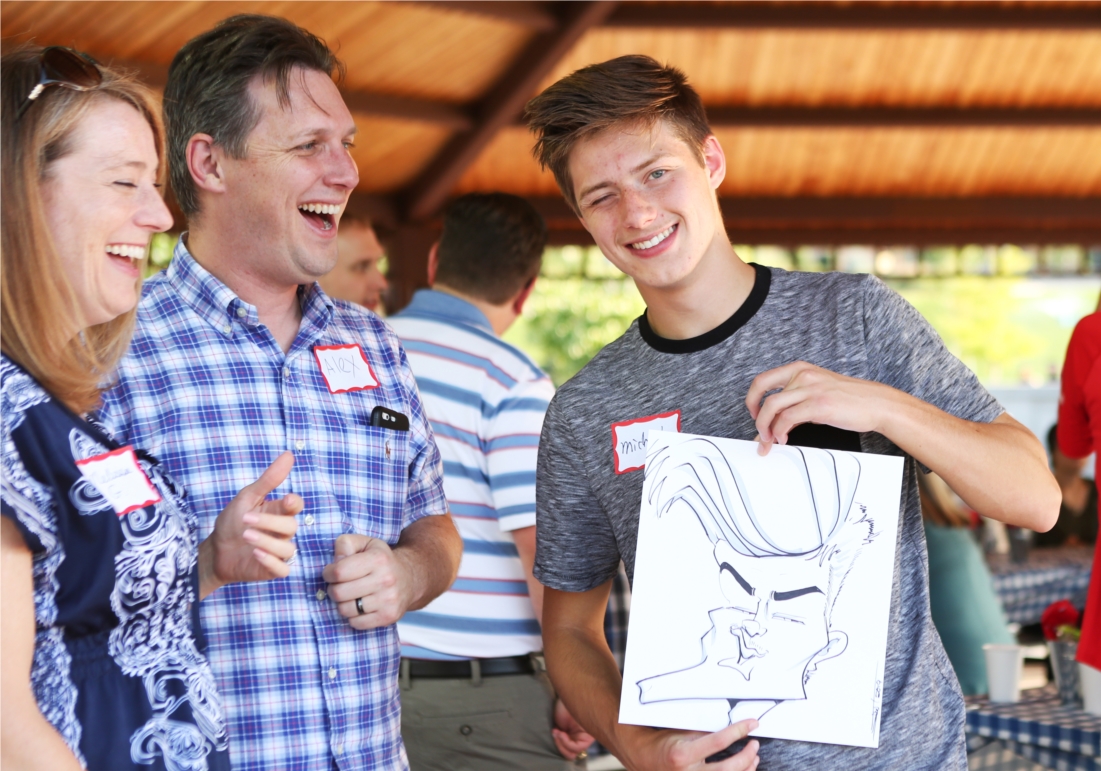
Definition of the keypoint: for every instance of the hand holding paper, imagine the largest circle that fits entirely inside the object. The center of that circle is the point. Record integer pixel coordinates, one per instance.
(810, 394)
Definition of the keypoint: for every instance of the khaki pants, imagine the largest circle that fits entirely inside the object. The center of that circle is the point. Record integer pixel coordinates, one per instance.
(502, 724)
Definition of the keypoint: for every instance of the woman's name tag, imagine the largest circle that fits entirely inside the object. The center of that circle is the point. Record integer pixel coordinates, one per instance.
(118, 476)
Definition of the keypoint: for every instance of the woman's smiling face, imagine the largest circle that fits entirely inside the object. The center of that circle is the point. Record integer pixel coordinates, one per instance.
(103, 205)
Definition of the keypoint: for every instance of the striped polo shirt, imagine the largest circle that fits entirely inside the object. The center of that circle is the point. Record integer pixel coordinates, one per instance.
(485, 400)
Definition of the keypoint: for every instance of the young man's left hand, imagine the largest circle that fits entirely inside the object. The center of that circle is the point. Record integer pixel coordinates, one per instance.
(810, 394)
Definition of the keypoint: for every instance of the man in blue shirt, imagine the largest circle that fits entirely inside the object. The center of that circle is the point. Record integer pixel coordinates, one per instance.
(470, 685)
(238, 355)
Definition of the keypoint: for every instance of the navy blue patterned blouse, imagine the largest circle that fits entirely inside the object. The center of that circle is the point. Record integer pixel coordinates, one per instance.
(118, 665)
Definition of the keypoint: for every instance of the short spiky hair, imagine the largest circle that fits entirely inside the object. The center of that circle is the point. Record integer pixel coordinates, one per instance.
(624, 91)
(207, 89)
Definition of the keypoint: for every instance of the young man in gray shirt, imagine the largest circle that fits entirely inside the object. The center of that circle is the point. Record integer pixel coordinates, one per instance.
(736, 350)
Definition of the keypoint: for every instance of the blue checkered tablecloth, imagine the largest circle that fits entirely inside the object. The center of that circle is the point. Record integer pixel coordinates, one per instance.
(1050, 574)
(1039, 728)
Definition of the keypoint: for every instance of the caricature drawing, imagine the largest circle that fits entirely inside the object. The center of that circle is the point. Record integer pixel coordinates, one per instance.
(781, 556)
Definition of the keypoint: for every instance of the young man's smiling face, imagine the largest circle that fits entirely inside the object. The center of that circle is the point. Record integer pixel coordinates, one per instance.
(648, 201)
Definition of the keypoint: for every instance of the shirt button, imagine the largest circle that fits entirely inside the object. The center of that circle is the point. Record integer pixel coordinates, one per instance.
(338, 747)
(320, 595)
(241, 313)
(309, 519)
(287, 372)
(332, 673)
(227, 329)
(300, 444)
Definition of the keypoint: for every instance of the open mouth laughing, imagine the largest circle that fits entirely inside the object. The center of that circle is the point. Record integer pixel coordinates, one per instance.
(126, 256)
(321, 215)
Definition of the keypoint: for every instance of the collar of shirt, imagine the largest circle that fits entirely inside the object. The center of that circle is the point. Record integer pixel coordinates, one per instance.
(220, 307)
(446, 307)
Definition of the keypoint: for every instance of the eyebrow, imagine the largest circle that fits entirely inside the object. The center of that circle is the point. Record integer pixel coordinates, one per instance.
(635, 170)
(781, 596)
(127, 165)
(737, 577)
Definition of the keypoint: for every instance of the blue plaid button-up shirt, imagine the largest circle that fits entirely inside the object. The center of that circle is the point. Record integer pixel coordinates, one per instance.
(208, 390)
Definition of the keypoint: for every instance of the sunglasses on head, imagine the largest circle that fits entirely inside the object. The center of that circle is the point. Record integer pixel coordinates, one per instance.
(60, 66)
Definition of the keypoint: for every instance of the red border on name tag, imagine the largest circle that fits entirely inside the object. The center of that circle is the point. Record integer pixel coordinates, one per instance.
(362, 355)
(620, 424)
(127, 450)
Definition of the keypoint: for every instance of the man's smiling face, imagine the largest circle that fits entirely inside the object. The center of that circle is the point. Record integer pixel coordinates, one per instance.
(290, 189)
(648, 201)
(775, 625)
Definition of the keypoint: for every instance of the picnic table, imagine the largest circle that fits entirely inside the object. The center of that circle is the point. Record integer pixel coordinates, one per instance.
(1038, 728)
(1049, 574)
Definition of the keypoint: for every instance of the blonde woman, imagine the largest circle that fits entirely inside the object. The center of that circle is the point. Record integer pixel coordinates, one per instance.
(102, 664)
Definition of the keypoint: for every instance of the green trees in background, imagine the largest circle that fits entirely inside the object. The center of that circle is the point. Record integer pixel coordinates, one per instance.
(1010, 328)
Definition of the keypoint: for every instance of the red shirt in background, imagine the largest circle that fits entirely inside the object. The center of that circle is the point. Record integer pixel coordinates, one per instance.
(1079, 435)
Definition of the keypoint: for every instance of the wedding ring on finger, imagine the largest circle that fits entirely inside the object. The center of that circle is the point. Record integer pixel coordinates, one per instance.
(290, 560)
(359, 606)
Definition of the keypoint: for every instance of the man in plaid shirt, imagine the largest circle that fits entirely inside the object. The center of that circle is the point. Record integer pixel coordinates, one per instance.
(239, 355)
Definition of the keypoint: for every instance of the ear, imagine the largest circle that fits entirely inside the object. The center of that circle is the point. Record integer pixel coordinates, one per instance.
(838, 642)
(714, 160)
(522, 297)
(433, 263)
(204, 163)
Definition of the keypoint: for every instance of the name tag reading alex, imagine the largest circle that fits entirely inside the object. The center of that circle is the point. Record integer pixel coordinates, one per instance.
(345, 368)
(119, 478)
(629, 439)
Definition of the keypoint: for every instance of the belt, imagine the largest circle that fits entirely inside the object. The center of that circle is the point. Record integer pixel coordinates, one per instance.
(508, 665)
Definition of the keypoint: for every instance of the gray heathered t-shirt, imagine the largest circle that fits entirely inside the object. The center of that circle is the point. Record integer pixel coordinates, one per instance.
(851, 324)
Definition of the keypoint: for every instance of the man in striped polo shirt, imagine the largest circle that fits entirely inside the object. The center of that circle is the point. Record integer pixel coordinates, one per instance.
(470, 682)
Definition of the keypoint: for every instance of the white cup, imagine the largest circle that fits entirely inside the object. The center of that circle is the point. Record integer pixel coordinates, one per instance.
(1089, 680)
(1003, 672)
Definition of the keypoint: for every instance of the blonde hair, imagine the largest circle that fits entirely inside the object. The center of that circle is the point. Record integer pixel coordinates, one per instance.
(39, 307)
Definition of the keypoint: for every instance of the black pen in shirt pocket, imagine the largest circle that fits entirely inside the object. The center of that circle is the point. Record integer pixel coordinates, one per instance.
(381, 417)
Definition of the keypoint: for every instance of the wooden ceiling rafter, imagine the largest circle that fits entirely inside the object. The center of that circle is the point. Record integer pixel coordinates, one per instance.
(871, 16)
(459, 119)
(882, 220)
(873, 210)
(919, 236)
(533, 15)
(505, 101)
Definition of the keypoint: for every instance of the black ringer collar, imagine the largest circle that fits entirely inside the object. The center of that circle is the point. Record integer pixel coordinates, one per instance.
(715, 336)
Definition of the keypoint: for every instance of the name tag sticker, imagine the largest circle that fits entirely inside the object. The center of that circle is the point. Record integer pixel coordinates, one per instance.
(345, 368)
(629, 439)
(118, 476)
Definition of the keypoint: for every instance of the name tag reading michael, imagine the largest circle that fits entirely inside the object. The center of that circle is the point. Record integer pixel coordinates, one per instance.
(120, 479)
(629, 439)
(345, 368)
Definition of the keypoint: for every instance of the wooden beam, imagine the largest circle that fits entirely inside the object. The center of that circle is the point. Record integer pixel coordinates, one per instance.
(849, 220)
(871, 210)
(407, 108)
(900, 117)
(384, 105)
(895, 236)
(504, 101)
(533, 15)
(872, 16)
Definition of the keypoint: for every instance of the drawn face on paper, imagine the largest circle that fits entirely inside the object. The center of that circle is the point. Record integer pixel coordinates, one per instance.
(774, 627)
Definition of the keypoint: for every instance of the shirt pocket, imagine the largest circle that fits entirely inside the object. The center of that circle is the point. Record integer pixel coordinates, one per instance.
(377, 488)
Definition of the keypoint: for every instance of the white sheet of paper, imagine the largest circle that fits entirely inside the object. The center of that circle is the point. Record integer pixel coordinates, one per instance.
(804, 651)
(345, 368)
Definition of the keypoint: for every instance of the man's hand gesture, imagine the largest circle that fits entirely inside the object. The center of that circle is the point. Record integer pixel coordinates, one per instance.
(368, 581)
(252, 536)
